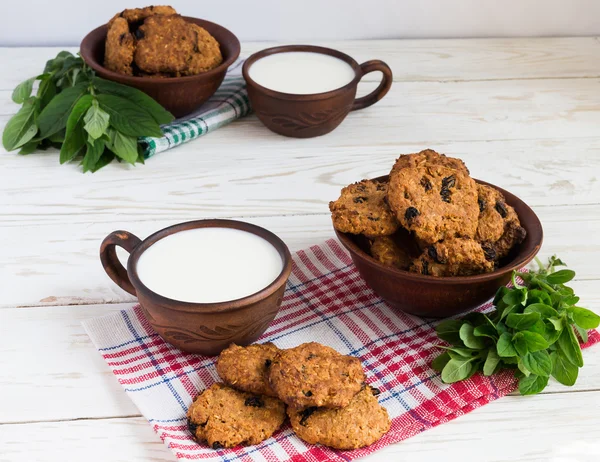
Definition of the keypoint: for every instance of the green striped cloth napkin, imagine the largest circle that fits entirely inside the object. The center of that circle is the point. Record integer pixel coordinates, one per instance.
(227, 104)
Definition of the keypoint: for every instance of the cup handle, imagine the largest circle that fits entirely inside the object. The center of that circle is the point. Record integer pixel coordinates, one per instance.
(381, 90)
(110, 261)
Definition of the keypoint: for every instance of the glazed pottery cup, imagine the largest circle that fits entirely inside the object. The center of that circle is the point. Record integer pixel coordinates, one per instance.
(205, 328)
(306, 116)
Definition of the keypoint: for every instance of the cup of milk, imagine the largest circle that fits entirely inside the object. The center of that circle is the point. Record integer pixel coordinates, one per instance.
(304, 91)
(203, 284)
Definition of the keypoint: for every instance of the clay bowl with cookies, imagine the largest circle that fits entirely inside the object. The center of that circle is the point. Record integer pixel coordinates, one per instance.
(431, 240)
(180, 94)
(438, 297)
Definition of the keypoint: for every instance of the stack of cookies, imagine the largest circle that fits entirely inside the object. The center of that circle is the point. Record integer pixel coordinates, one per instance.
(157, 42)
(430, 217)
(323, 392)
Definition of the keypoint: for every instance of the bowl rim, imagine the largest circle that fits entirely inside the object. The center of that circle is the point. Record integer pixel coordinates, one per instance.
(534, 231)
(89, 40)
(215, 307)
(294, 49)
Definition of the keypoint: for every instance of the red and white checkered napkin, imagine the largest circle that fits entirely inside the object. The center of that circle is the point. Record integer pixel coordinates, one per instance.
(326, 301)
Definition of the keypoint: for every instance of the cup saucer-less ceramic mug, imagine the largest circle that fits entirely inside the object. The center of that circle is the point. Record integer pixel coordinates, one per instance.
(309, 115)
(205, 328)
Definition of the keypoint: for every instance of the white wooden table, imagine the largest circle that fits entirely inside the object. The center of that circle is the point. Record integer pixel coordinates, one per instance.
(522, 113)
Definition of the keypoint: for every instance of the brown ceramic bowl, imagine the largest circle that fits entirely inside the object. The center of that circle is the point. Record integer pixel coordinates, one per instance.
(205, 328)
(306, 116)
(179, 95)
(438, 297)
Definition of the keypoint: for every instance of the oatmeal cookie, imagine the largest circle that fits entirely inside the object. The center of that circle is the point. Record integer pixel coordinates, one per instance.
(454, 257)
(498, 227)
(135, 16)
(387, 251)
(315, 375)
(429, 157)
(165, 44)
(119, 47)
(207, 52)
(361, 209)
(224, 417)
(361, 423)
(434, 202)
(245, 368)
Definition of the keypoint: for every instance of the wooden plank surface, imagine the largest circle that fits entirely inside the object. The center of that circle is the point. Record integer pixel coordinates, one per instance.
(512, 428)
(522, 113)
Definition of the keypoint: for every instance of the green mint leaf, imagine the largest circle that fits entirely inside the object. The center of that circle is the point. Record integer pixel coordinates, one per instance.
(491, 363)
(505, 347)
(54, 116)
(568, 345)
(75, 136)
(538, 296)
(486, 330)
(58, 137)
(560, 277)
(584, 318)
(95, 149)
(528, 342)
(124, 147)
(515, 297)
(522, 368)
(21, 128)
(106, 158)
(74, 143)
(28, 148)
(582, 332)
(456, 370)
(532, 384)
(538, 362)
(46, 91)
(440, 361)
(127, 118)
(563, 370)
(522, 321)
(23, 90)
(158, 113)
(96, 121)
(469, 339)
(449, 331)
(558, 323)
(545, 311)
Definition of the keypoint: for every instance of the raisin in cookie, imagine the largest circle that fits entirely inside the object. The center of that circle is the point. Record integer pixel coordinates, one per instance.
(119, 47)
(165, 44)
(429, 157)
(224, 417)
(385, 250)
(361, 209)
(315, 375)
(361, 423)
(498, 227)
(453, 257)
(245, 368)
(434, 202)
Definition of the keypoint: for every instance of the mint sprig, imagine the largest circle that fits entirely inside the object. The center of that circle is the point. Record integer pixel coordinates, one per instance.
(82, 115)
(534, 330)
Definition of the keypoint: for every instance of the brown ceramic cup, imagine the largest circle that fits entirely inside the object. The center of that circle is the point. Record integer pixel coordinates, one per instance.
(179, 95)
(439, 297)
(306, 116)
(205, 328)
